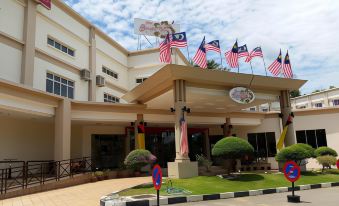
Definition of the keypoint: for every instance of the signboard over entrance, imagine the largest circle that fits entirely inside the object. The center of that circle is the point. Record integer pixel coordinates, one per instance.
(242, 95)
(153, 28)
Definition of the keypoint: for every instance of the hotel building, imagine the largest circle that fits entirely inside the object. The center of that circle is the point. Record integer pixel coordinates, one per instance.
(68, 90)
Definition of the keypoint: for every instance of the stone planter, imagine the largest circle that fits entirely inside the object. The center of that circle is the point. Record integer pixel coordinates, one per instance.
(112, 174)
(124, 173)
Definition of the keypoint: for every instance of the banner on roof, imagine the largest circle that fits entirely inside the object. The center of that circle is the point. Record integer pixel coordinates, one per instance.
(153, 28)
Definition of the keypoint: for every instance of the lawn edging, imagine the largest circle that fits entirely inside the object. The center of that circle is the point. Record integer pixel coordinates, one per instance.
(197, 198)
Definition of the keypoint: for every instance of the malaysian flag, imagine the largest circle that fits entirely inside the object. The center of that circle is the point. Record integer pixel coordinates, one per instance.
(183, 140)
(200, 57)
(213, 46)
(165, 50)
(287, 69)
(242, 51)
(179, 40)
(275, 67)
(256, 52)
(232, 56)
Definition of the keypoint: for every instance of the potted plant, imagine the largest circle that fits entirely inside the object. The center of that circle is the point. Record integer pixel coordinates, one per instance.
(137, 159)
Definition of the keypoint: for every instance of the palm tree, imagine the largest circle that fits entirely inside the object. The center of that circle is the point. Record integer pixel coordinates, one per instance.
(211, 64)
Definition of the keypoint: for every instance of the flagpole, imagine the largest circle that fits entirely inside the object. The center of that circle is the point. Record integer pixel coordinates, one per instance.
(188, 53)
(251, 68)
(263, 60)
(221, 60)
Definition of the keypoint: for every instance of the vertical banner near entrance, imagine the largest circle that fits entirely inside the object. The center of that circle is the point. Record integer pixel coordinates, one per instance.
(45, 3)
(141, 136)
(183, 140)
(281, 140)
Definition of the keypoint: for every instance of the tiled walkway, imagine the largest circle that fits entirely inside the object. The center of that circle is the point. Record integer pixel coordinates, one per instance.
(80, 195)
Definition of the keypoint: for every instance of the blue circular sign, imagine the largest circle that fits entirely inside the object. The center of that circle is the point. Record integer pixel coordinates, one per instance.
(157, 177)
(292, 171)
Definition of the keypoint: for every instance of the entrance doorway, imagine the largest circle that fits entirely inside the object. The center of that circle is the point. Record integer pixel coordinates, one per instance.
(108, 151)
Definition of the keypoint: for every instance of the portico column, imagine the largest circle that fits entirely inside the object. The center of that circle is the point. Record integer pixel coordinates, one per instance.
(227, 127)
(286, 109)
(62, 130)
(182, 167)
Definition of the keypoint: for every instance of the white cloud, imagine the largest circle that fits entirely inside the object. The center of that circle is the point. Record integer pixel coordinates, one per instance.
(307, 28)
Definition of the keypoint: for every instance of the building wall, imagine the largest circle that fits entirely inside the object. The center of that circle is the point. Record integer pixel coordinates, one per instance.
(10, 59)
(12, 18)
(26, 139)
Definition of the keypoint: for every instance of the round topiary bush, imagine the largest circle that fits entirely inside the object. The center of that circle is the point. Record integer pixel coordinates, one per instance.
(232, 148)
(322, 151)
(139, 158)
(296, 153)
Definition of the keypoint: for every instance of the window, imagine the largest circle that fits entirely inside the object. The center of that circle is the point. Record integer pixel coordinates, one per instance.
(65, 49)
(264, 144)
(315, 138)
(252, 109)
(301, 106)
(336, 102)
(265, 109)
(59, 86)
(111, 98)
(318, 104)
(140, 80)
(109, 72)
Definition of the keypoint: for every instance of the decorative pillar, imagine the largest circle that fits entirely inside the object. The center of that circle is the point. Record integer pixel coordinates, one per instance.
(286, 109)
(227, 127)
(62, 131)
(28, 51)
(92, 65)
(182, 167)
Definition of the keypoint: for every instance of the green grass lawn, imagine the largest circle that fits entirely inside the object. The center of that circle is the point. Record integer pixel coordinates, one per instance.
(246, 181)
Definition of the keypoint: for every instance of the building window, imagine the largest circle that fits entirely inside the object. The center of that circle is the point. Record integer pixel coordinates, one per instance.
(315, 138)
(300, 106)
(59, 86)
(263, 143)
(265, 109)
(65, 49)
(111, 98)
(336, 102)
(140, 80)
(318, 104)
(110, 72)
(252, 109)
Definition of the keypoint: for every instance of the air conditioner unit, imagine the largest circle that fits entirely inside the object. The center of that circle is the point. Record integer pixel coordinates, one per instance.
(100, 81)
(85, 74)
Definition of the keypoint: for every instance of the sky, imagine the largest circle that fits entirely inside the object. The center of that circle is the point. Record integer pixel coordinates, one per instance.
(308, 29)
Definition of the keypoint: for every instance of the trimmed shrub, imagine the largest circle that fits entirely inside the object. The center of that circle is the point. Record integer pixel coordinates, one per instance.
(296, 153)
(139, 158)
(327, 161)
(322, 151)
(232, 148)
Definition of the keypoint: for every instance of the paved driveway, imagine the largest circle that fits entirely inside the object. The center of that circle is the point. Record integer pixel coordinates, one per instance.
(315, 197)
(80, 195)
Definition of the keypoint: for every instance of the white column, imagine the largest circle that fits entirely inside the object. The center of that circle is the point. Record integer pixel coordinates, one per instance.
(92, 65)
(286, 109)
(62, 131)
(182, 167)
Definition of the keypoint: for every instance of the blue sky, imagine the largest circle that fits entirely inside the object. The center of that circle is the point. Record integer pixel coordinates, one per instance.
(308, 29)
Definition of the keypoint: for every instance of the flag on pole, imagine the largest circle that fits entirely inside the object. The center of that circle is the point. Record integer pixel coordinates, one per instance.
(179, 40)
(256, 52)
(275, 67)
(213, 46)
(165, 50)
(200, 57)
(184, 141)
(283, 134)
(232, 56)
(287, 69)
(242, 51)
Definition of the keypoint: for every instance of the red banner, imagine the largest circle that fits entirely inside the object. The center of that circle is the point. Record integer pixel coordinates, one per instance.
(46, 3)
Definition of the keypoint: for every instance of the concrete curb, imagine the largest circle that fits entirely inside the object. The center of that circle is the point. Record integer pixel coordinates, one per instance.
(198, 198)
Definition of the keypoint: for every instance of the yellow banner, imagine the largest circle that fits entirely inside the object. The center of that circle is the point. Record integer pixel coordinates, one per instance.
(141, 141)
(282, 138)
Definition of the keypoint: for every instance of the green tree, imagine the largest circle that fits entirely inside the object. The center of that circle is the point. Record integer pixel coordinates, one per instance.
(326, 161)
(230, 149)
(332, 87)
(322, 151)
(295, 93)
(139, 158)
(296, 153)
(211, 64)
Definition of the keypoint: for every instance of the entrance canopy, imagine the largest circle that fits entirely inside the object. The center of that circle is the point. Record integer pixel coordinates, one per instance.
(207, 90)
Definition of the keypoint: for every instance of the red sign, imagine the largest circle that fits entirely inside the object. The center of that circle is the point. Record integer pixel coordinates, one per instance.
(157, 177)
(46, 3)
(338, 164)
(291, 171)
